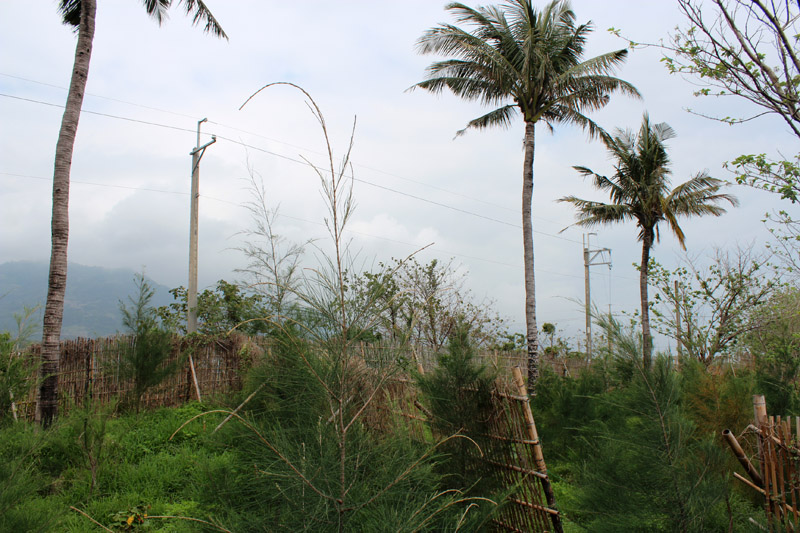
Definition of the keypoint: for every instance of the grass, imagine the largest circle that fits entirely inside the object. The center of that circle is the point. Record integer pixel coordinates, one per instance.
(141, 472)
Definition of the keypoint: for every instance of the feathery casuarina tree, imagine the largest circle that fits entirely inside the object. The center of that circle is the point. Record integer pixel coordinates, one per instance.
(640, 191)
(79, 14)
(528, 62)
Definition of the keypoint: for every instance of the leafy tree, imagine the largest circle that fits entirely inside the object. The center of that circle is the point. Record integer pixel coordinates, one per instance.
(80, 15)
(422, 303)
(16, 367)
(273, 262)
(653, 469)
(458, 395)
(146, 360)
(527, 62)
(747, 50)
(219, 311)
(716, 305)
(549, 329)
(639, 191)
(774, 342)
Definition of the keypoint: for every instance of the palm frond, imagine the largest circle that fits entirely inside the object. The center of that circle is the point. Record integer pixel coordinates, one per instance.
(591, 213)
(70, 11)
(699, 196)
(563, 114)
(514, 54)
(499, 117)
(640, 188)
(201, 14)
(157, 9)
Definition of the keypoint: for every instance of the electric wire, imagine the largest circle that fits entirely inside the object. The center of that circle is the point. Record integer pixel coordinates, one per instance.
(291, 159)
(316, 223)
(391, 174)
(299, 161)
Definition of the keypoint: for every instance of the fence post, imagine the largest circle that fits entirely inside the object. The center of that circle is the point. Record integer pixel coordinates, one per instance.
(538, 456)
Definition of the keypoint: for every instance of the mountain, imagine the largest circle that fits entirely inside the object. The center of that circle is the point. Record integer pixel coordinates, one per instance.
(91, 304)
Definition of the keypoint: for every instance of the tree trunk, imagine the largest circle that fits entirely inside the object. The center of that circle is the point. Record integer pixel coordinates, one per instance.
(647, 339)
(532, 332)
(47, 407)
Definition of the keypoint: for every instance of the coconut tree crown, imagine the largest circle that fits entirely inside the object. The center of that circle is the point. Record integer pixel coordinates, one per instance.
(640, 192)
(639, 189)
(71, 13)
(524, 61)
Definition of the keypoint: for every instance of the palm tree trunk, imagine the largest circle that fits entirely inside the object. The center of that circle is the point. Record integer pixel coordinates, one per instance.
(647, 339)
(532, 332)
(47, 407)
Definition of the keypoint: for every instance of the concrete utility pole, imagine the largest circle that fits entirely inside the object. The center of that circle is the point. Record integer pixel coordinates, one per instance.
(678, 342)
(589, 257)
(191, 297)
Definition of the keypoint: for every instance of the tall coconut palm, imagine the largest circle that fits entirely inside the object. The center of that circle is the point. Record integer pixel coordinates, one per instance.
(526, 62)
(640, 192)
(79, 14)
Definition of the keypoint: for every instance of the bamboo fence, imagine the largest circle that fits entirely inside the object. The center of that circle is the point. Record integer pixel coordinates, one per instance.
(774, 442)
(90, 368)
(518, 461)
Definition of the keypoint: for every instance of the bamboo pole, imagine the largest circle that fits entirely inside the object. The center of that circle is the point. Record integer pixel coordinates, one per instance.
(742, 457)
(760, 418)
(786, 437)
(780, 460)
(753, 486)
(538, 457)
(791, 472)
(194, 378)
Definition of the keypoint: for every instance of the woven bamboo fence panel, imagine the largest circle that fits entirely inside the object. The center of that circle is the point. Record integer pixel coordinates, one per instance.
(527, 508)
(770, 456)
(89, 368)
(503, 362)
(778, 458)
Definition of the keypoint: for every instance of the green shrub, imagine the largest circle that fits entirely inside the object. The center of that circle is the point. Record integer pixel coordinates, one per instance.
(145, 362)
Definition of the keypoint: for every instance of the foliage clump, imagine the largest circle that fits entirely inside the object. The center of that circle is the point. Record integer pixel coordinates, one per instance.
(458, 397)
(146, 362)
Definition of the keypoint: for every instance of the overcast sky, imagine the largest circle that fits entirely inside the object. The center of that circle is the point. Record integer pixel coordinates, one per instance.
(129, 203)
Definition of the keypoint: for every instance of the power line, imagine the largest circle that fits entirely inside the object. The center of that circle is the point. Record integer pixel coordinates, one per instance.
(373, 169)
(316, 223)
(167, 126)
(299, 161)
(395, 191)
(100, 96)
(391, 174)
(96, 184)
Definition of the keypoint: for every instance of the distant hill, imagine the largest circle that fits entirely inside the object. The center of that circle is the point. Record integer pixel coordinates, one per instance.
(91, 306)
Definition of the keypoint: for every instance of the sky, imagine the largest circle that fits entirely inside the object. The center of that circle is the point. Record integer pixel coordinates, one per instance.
(415, 184)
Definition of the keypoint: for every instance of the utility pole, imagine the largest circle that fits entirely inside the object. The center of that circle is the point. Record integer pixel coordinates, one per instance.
(589, 257)
(191, 297)
(678, 324)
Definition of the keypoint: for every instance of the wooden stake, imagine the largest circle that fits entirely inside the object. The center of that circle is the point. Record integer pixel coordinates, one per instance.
(742, 457)
(194, 377)
(538, 457)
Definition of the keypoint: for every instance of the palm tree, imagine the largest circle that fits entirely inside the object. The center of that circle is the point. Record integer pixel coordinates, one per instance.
(528, 62)
(79, 14)
(640, 191)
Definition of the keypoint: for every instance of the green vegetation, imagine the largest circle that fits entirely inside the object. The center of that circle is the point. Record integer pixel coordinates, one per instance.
(635, 448)
(313, 441)
(640, 192)
(528, 62)
(146, 361)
